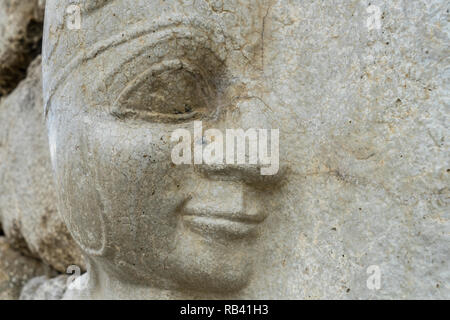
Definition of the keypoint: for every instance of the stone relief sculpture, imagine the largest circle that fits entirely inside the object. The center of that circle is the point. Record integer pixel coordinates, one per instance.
(360, 181)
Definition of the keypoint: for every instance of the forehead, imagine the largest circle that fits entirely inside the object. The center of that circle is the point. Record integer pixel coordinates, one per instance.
(238, 20)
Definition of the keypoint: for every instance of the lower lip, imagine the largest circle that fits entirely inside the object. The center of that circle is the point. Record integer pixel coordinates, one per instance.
(220, 227)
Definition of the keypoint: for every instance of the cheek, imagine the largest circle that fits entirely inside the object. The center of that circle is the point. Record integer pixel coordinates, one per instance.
(120, 188)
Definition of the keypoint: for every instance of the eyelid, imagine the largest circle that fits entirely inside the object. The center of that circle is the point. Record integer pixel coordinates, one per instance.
(155, 70)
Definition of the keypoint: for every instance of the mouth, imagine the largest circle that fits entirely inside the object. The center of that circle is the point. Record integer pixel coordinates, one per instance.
(223, 225)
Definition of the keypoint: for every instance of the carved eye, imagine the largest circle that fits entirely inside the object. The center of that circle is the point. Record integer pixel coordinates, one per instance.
(169, 91)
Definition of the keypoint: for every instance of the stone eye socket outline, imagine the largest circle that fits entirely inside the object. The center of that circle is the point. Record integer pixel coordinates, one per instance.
(170, 91)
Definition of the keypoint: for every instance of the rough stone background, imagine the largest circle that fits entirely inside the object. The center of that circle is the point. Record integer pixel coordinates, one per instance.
(28, 200)
(44, 288)
(36, 240)
(20, 40)
(16, 270)
(369, 133)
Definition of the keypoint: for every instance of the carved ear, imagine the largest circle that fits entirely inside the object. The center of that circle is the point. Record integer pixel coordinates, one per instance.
(84, 219)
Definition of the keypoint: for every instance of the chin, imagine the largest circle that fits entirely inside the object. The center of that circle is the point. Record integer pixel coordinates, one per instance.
(227, 278)
(207, 265)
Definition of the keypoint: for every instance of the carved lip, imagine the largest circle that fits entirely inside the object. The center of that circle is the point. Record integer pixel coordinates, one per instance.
(217, 226)
(228, 225)
(222, 220)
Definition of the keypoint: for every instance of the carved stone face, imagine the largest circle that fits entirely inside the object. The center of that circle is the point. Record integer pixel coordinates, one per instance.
(116, 90)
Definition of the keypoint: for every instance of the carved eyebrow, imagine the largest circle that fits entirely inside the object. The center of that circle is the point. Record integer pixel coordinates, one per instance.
(102, 46)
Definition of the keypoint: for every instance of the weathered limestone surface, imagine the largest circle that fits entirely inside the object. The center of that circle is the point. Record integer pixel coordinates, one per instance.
(16, 270)
(44, 288)
(20, 39)
(363, 113)
(28, 211)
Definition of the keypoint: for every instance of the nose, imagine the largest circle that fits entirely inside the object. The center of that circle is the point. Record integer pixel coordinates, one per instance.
(250, 145)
